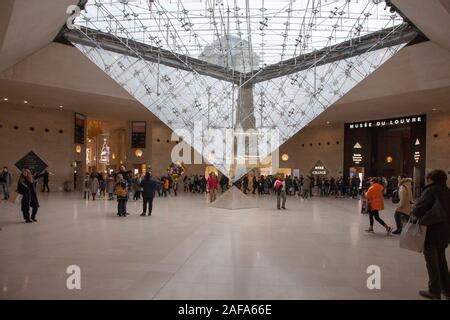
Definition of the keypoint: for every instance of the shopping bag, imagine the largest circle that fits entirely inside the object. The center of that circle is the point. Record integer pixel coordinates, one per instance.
(363, 205)
(14, 197)
(413, 236)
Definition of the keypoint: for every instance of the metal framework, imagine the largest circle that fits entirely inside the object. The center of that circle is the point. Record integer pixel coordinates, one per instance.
(377, 40)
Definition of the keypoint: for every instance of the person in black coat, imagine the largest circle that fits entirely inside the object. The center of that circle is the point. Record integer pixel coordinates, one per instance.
(149, 186)
(27, 188)
(433, 210)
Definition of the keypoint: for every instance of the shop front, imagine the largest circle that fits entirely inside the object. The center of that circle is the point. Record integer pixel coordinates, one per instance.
(387, 148)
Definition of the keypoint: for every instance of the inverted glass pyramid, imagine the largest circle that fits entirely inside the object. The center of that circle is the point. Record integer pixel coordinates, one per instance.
(237, 124)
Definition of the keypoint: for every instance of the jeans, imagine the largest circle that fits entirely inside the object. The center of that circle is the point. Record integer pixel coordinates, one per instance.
(148, 201)
(437, 268)
(400, 219)
(122, 207)
(281, 195)
(26, 213)
(375, 214)
(5, 189)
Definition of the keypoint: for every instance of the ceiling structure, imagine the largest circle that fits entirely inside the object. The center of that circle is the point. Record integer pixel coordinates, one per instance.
(28, 26)
(235, 65)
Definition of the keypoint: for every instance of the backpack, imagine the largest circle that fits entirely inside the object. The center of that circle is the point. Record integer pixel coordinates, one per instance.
(395, 196)
(121, 191)
(278, 185)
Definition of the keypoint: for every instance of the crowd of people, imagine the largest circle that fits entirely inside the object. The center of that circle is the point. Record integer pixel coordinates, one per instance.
(432, 208)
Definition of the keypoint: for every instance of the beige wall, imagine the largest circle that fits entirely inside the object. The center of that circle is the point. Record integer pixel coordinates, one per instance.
(305, 157)
(56, 149)
(438, 149)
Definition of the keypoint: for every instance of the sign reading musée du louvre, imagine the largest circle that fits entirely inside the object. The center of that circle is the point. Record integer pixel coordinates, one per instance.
(385, 123)
(32, 162)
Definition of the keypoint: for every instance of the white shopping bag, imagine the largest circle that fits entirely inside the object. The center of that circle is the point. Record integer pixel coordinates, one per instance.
(413, 236)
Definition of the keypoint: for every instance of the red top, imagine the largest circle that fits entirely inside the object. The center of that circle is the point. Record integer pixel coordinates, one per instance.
(213, 183)
(375, 196)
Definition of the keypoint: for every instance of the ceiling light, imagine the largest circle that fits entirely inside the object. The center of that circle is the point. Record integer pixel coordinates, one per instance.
(25, 101)
(328, 122)
(61, 107)
(434, 109)
(5, 99)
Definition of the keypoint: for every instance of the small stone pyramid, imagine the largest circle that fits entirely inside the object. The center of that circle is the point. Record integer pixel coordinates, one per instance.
(234, 199)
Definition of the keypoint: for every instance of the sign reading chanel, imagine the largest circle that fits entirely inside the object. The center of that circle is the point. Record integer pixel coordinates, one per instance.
(385, 123)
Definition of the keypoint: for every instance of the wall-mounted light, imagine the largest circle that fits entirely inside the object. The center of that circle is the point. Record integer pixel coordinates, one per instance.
(139, 153)
(78, 148)
(285, 157)
(113, 156)
(389, 159)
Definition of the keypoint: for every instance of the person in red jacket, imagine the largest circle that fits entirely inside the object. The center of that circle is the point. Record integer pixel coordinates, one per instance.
(376, 204)
(213, 185)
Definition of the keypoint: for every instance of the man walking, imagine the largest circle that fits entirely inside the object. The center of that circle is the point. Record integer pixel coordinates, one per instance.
(149, 186)
(5, 182)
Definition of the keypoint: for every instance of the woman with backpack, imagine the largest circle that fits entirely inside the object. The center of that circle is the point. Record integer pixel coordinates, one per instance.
(121, 192)
(405, 198)
(376, 204)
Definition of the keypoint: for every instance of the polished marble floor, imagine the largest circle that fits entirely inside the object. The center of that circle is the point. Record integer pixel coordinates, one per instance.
(316, 249)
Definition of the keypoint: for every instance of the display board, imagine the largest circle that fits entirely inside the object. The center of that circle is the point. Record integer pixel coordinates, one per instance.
(33, 162)
(80, 125)
(138, 134)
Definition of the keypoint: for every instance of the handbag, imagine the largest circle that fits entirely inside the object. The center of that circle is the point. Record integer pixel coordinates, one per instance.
(363, 205)
(413, 236)
(395, 196)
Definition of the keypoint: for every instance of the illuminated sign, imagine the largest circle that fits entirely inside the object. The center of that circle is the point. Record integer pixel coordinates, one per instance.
(416, 156)
(357, 158)
(319, 169)
(385, 123)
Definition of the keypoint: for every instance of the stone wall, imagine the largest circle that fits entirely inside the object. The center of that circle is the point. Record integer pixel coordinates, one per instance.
(438, 141)
(23, 129)
(311, 144)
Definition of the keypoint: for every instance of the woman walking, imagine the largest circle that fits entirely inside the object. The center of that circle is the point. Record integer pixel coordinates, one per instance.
(406, 197)
(93, 185)
(376, 204)
(27, 188)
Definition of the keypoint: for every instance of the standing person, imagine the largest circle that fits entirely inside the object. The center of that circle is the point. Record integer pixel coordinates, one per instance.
(254, 184)
(306, 187)
(376, 204)
(203, 184)
(175, 186)
(110, 184)
(245, 184)
(165, 186)
(102, 185)
(5, 182)
(148, 185)
(121, 192)
(27, 188)
(86, 186)
(406, 197)
(280, 188)
(45, 179)
(136, 186)
(93, 185)
(213, 185)
(433, 208)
